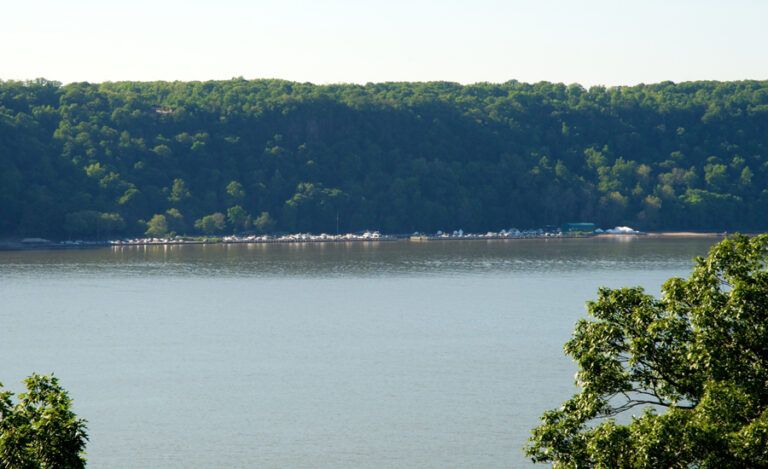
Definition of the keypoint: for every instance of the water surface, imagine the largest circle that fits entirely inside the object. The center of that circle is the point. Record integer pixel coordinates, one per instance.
(387, 355)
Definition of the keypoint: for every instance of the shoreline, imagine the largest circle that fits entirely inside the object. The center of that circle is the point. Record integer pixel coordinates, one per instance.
(60, 246)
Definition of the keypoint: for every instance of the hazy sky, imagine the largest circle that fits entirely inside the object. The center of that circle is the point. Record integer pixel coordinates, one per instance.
(585, 41)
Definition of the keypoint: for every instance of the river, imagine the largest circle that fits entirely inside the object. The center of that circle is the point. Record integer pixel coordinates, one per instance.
(380, 355)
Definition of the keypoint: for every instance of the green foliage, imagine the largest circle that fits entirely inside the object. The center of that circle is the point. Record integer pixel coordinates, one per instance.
(179, 191)
(81, 223)
(694, 362)
(214, 223)
(157, 227)
(399, 157)
(238, 218)
(235, 190)
(264, 223)
(313, 207)
(110, 223)
(93, 224)
(40, 431)
(175, 221)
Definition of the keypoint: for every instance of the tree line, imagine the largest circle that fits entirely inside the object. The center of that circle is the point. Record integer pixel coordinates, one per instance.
(132, 158)
(676, 381)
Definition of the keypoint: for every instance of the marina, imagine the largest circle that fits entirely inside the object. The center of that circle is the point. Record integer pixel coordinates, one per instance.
(364, 236)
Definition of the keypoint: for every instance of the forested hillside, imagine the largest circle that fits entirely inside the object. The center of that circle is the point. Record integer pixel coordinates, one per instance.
(116, 159)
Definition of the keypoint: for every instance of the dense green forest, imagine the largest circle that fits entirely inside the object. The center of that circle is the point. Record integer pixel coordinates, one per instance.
(117, 159)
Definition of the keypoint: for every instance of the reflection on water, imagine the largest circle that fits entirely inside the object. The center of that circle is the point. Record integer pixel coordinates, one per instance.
(360, 259)
(389, 355)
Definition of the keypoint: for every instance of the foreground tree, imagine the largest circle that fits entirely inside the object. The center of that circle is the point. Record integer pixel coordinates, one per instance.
(694, 364)
(40, 430)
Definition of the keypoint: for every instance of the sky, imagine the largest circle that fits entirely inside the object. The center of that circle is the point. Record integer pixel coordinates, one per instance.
(591, 42)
